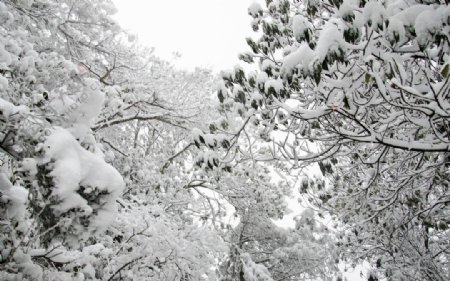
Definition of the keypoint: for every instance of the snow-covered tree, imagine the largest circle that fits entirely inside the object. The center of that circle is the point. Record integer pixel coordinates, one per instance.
(55, 193)
(362, 89)
(303, 253)
(258, 249)
(73, 87)
(170, 216)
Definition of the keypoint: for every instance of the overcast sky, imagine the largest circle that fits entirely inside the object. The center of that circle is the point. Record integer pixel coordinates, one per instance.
(208, 33)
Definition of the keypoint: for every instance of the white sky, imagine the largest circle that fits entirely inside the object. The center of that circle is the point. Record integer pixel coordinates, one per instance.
(207, 33)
